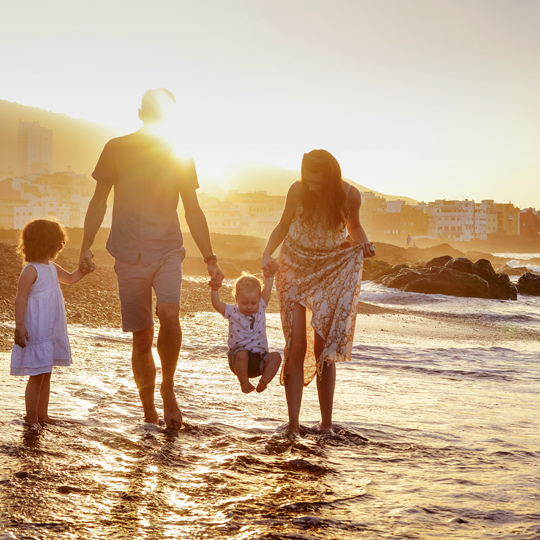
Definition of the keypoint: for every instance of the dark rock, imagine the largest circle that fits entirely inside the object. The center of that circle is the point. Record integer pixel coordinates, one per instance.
(455, 277)
(529, 283)
(443, 280)
(438, 261)
(461, 264)
(484, 269)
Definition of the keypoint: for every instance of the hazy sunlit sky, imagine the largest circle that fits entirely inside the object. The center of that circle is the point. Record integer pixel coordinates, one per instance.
(424, 98)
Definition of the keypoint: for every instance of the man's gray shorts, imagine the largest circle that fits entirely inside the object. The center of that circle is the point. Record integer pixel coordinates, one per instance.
(135, 284)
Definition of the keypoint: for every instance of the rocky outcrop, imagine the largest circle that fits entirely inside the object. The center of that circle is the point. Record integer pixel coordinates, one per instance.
(451, 276)
(529, 283)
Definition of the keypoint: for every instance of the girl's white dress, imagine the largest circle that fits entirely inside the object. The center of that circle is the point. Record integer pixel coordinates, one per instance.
(46, 324)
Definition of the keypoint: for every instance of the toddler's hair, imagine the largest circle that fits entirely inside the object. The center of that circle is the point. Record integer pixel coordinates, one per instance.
(247, 283)
(42, 239)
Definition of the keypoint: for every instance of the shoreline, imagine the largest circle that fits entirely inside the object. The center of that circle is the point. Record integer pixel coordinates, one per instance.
(94, 301)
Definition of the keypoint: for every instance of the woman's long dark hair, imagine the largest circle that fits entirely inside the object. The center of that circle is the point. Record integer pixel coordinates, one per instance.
(329, 203)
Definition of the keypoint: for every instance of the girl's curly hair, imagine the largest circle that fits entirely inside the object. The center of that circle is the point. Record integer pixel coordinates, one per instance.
(42, 239)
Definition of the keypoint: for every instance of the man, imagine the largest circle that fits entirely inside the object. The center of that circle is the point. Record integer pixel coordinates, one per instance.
(146, 243)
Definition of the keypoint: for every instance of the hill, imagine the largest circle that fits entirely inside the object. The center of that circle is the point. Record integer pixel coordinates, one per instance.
(76, 143)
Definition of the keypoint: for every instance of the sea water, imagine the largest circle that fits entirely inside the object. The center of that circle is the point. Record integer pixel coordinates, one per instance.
(436, 437)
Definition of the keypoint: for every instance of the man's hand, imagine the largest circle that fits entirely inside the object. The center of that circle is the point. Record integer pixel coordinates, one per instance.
(216, 275)
(86, 266)
(21, 336)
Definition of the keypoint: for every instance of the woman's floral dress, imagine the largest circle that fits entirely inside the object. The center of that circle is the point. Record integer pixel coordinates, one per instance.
(322, 270)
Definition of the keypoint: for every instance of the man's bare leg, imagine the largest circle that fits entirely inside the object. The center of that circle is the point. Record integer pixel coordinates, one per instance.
(144, 371)
(240, 366)
(168, 346)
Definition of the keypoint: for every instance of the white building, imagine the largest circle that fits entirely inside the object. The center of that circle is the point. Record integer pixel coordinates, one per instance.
(34, 149)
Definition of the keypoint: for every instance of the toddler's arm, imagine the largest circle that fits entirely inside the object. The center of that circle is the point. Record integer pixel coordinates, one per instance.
(69, 277)
(27, 279)
(216, 302)
(267, 288)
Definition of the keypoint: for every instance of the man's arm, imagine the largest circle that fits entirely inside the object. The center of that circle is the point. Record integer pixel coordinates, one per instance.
(198, 227)
(92, 223)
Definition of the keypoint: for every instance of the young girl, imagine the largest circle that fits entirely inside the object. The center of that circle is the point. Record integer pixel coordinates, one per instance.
(41, 340)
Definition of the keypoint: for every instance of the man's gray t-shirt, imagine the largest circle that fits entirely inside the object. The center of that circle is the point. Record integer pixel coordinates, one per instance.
(148, 178)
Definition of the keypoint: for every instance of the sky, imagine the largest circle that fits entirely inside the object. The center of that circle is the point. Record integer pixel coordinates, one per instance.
(429, 99)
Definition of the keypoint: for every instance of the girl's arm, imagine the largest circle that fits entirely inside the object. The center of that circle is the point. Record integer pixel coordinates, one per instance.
(216, 302)
(27, 279)
(355, 229)
(267, 289)
(67, 277)
(280, 231)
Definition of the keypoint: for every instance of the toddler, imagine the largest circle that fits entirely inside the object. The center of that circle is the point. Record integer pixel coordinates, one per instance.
(41, 340)
(248, 347)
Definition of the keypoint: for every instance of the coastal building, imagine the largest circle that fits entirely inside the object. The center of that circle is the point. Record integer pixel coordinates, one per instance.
(34, 149)
(484, 219)
(372, 205)
(529, 224)
(452, 221)
(397, 219)
(507, 219)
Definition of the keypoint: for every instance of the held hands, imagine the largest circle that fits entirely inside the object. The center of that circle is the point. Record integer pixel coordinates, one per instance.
(269, 266)
(216, 275)
(86, 266)
(21, 336)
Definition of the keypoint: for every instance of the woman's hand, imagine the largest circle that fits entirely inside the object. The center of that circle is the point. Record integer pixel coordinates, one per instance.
(21, 336)
(368, 249)
(269, 265)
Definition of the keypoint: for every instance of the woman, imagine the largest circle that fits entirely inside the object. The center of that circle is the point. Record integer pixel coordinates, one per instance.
(320, 271)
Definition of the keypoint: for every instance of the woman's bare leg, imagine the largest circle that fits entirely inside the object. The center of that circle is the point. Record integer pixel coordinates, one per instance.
(326, 384)
(294, 368)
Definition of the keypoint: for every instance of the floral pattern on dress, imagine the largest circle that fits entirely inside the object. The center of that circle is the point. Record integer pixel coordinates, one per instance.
(322, 270)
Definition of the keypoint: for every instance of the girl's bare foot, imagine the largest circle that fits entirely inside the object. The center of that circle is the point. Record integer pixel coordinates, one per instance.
(261, 387)
(247, 387)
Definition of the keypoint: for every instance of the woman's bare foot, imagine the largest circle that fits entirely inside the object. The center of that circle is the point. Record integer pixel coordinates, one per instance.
(171, 411)
(261, 387)
(247, 387)
(44, 420)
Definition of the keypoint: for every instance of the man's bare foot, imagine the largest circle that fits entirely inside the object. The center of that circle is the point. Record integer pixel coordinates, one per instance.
(171, 411)
(151, 416)
(261, 387)
(44, 420)
(247, 387)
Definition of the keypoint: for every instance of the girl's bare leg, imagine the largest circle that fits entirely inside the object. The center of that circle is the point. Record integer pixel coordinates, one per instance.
(294, 368)
(31, 398)
(270, 369)
(240, 365)
(43, 403)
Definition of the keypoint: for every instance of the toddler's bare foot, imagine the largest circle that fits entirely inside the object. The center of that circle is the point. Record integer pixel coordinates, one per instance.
(261, 387)
(171, 411)
(247, 387)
